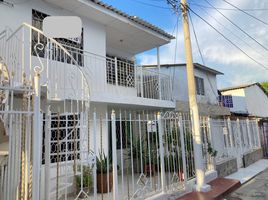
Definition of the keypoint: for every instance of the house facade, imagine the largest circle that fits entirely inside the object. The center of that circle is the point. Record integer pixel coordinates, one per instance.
(206, 88)
(247, 100)
(81, 81)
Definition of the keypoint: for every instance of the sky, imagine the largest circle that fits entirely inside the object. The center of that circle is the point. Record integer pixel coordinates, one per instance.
(217, 52)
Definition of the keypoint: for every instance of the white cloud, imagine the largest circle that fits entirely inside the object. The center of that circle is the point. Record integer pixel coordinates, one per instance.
(219, 53)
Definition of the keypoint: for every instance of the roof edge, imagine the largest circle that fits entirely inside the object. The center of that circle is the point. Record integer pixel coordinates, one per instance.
(134, 19)
(197, 65)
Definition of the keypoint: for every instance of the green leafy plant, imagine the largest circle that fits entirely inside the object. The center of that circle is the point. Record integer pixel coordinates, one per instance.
(87, 177)
(211, 151)
(102, 163)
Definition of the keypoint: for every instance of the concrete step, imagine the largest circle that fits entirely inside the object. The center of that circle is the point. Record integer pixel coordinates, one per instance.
(220, 187)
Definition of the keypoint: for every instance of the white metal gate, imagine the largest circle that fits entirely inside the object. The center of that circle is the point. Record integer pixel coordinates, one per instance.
(38, 75)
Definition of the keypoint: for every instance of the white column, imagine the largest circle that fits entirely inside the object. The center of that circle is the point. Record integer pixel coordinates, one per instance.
(240, 154)
(212, 142)
(159, 72)
(115, 178)
(161, 149)
(37, 138)
(230, 132)
(249, 135)
(258, 133)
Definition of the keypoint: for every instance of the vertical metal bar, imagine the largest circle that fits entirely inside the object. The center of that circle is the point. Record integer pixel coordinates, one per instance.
(37, 136)
(131, 151)
(141, 154)
(161, 148)
(183, 149)
(159, 70)
(95, 152)
(116, 71)
(121, 155)
(115, 178)
(141, 82)
(47, 153)
(149, 149)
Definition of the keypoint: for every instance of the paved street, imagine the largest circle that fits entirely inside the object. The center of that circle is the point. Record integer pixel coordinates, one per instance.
(256, 189)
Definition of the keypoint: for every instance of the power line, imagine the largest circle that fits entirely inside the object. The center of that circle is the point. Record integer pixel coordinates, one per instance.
(234, 34)
(246, 12)
(151, 5)
(232, 9)
(237, 26)
(257, 62)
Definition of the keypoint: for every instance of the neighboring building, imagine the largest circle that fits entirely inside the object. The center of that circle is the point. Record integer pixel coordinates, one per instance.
(246, 100)
(206, 88)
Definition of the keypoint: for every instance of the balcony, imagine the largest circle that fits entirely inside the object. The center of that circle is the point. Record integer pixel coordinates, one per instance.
(121, 77)
(65, 68)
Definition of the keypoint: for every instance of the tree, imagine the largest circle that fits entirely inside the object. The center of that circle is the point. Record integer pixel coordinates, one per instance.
(265, 85)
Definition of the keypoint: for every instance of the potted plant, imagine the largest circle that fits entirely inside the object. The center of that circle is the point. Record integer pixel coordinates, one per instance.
(87, 180)
(103, 172)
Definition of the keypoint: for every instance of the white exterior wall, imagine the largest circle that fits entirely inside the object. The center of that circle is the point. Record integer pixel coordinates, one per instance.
(239, 100)
(257, 101)
(95, 66)
(250, 100)
(180, 85)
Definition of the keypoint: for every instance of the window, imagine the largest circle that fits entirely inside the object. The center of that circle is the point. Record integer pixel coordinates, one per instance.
(226, 101)
(123, 75)
(74, 46)
(199, 84)
(66, 138)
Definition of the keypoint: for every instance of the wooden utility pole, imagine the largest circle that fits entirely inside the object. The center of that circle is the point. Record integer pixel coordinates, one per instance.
(197, 139)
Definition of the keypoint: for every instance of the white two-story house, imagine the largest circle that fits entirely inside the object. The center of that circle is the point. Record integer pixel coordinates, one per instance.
(95, 72)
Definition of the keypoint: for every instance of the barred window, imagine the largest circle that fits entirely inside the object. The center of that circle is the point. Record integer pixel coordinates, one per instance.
(74, 46)
(227, 101)
(64, 138)
(125, 72)
(200, 87)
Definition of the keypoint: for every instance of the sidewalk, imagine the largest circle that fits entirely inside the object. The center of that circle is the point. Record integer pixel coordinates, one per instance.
(221, 187)
(245, 174)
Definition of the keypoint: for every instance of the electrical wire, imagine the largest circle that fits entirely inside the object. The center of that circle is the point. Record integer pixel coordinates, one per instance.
(237, 26)
(246, 13)
(232, 9)
(251, 58)
(151, 5)
(234, 34)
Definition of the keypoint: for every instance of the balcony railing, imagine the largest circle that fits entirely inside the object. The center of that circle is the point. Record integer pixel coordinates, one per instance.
(104, 71)
(101, 72)
(153, 85)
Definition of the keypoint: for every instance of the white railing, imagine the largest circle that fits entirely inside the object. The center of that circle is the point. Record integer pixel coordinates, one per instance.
(153, 85)
(234, 138)
(27, 54)
(3, 176)
(104, 71)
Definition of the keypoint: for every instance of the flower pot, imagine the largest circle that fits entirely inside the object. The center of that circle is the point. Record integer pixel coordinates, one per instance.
(102, 182)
